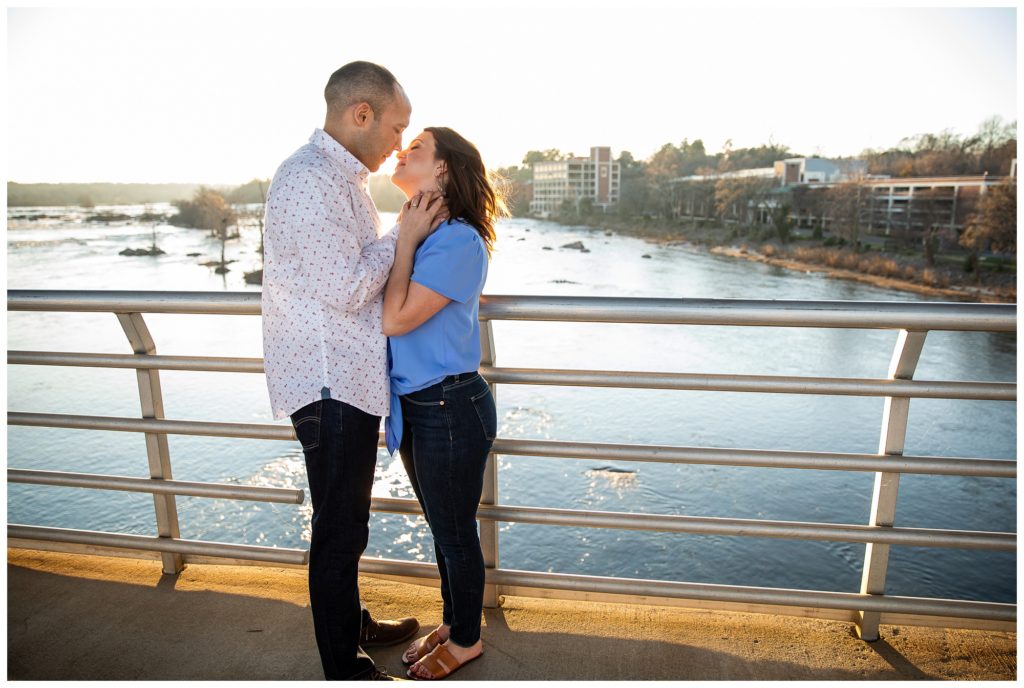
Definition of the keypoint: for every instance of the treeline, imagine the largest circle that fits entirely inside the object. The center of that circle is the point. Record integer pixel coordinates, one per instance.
(384, 193)
(989, 151)
(647, 188)
(89, 195)
(386, 196)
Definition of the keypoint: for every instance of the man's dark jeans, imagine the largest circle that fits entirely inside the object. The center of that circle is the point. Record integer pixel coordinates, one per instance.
(340, 445)
(447, 430)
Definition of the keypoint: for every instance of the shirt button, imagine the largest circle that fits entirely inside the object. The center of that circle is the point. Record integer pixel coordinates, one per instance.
(442, 402)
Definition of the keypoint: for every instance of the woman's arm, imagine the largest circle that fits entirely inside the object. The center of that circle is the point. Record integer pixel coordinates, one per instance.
(407, 305)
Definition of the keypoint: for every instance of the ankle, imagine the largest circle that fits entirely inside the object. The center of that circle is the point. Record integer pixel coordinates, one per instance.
(475, 648)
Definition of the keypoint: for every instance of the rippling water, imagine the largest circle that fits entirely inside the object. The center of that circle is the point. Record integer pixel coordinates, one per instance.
(65, 252)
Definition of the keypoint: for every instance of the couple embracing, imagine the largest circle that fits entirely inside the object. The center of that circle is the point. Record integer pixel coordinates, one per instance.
(359, 324)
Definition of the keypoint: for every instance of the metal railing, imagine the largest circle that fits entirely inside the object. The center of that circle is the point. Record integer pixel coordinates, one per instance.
(869, 607)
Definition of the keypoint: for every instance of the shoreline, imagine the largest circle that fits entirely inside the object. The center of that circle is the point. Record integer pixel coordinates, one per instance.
(662, 236)
(977, 294)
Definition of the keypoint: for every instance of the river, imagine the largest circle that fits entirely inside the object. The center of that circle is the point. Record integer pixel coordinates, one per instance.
(57, 248)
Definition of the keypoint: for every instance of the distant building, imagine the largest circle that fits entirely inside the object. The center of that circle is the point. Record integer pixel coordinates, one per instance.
(906, 206)
(597, 178)
(891, 207)
(810, 170)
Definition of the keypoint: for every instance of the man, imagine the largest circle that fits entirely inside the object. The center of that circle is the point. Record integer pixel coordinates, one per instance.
(325, 265)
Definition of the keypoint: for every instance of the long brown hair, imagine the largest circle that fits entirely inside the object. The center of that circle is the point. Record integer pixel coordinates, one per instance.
(472, 194)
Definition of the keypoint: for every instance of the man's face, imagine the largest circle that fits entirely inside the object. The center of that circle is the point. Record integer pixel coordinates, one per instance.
(384, 135)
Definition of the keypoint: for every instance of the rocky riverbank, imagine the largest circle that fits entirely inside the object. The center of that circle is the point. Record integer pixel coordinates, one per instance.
(900, 272)
(960, 293)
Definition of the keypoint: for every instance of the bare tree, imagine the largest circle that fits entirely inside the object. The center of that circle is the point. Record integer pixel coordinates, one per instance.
(994, 224)
(737, 197)
(933, 207)
(845, 204)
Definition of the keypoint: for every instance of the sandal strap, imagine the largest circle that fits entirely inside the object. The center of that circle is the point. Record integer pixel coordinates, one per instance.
(440, 662)
(426, 644)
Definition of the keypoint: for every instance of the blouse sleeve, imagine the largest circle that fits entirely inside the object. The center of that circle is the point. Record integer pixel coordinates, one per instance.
(451, 262)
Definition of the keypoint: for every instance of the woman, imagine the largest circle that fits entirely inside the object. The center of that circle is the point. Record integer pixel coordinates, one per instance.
(443, 417)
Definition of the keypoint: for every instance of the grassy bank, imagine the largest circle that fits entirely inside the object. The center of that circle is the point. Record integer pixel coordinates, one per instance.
(994, 280)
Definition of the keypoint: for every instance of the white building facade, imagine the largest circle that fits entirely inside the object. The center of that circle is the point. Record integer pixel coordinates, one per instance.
(597, 178)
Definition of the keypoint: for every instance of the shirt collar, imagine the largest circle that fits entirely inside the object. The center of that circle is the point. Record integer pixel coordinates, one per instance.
(339, 155)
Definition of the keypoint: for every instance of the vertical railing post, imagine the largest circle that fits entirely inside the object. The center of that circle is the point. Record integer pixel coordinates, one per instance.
(489, 528)
(883, 502)
(157, 450)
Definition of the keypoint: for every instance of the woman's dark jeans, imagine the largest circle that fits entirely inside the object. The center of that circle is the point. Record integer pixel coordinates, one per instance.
(339, 442)
(447, 431)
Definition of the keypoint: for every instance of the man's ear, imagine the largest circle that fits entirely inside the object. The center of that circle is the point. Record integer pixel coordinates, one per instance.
(362, 114)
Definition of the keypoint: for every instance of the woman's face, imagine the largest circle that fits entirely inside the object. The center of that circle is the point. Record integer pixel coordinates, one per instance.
(417, 170)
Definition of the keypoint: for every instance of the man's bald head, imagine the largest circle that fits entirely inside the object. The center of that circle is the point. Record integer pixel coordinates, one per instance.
(361, 82)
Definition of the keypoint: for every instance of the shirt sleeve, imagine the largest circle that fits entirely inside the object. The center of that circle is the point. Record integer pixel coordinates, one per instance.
(339, 271)
(451, 263)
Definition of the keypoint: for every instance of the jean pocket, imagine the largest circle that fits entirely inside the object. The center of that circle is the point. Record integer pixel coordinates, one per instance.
(486, 411)
(306, 422)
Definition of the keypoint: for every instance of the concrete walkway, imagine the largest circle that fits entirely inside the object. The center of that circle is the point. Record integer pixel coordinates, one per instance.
(89, 618)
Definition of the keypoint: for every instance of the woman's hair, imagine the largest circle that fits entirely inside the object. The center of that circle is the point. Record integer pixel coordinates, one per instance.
(471, 193)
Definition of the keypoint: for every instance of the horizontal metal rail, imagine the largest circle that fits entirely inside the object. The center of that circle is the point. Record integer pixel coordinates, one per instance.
(768, 384)
(825, 461)
(103, 301)
(759, 313)
(734, 527)
(743, 312)
(768, 458)
(279, 555)
(203, 428)
(634, 587)
(214, 364)
(94, 481)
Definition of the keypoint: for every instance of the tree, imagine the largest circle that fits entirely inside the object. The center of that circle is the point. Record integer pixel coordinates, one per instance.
(253, 191)
(845, 205)
(994, 224)
(736, 196)
(660, 171)
(148, 213)
(513, 183)
(255, 276)
(782, 222)
(946, 153)
(551, 154)
(208, 209)
(694, 157)
(633, 191)
(931, 206)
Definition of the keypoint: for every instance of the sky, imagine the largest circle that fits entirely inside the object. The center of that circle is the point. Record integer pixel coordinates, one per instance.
(223, 95)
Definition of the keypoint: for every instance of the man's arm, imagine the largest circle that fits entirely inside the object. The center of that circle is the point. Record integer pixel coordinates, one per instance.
(340, 271)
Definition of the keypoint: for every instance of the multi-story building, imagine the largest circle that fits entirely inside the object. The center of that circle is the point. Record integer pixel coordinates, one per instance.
(597, 178)
(907, 206)
(902, 208)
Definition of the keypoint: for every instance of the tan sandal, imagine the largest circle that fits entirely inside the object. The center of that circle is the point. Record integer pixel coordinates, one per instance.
(421, 647)
(440, 663)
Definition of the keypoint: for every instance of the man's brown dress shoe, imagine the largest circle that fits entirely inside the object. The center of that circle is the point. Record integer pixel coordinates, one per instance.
(381, 633)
